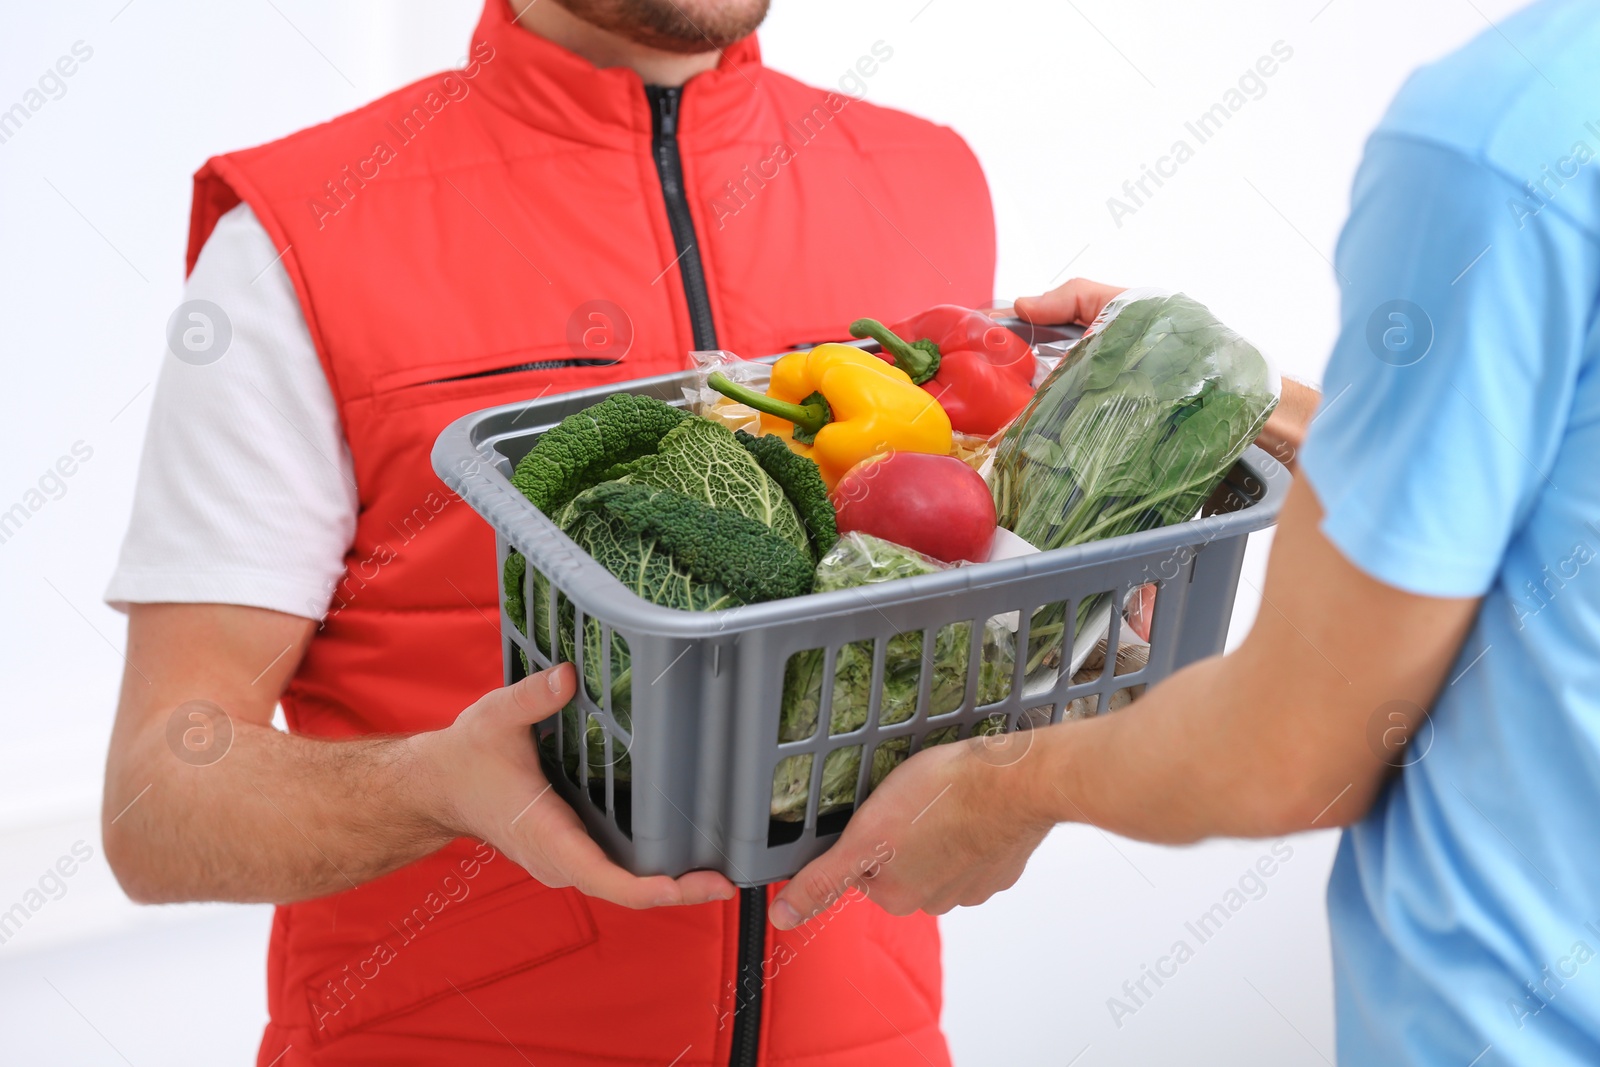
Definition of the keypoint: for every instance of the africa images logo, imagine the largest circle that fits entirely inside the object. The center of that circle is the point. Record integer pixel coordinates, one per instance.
(340, 192)
(51, 885)
(1251, 85)
(199, 332)
(51, 85)
(1399, 333)
(51, 485)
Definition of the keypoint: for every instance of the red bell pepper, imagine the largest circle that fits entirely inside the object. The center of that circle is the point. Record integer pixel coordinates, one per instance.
(980, 372)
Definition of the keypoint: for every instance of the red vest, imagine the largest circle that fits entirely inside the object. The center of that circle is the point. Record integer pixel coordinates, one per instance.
(459, 227)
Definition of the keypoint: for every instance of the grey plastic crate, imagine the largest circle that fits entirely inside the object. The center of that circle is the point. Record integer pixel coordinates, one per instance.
(706, 686)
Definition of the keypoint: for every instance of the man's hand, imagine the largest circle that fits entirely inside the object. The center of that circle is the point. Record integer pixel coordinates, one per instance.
(261, 815)
(487, 783)
(1077, 301)
(1296, 729)
(948, 828)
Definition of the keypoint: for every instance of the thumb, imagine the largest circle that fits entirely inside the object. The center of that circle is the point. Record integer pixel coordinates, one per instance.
(533, 699)
(819, 884)
(1078, 300)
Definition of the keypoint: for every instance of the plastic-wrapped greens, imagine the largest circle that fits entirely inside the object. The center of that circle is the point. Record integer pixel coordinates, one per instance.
(860, 559)
(1138, 423)
(1135, 426)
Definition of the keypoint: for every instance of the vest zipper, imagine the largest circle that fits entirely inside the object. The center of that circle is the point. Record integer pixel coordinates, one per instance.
(664, 101)
(748, 987)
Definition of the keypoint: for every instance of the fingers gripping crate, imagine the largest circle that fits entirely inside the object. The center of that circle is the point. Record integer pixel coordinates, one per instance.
(676, 752)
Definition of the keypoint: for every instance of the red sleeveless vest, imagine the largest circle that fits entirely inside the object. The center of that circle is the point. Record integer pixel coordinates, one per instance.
(463, 226)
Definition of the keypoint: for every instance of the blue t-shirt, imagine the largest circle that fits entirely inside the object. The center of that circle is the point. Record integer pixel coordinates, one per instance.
(1457, 453)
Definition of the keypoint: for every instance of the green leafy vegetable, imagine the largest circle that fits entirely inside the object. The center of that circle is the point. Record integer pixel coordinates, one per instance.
(1133, 430)
(713, 547)
(574, 455)
(703, 460)
(695, 457)
(516, 569)
(678, 510)
(802, 483)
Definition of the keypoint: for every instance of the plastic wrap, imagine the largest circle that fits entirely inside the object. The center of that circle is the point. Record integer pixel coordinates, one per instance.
(710, 404)
(1134, 428)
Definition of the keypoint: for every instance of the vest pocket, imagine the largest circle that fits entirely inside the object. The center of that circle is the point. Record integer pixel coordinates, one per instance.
(543, 364)
(470, 390)
(442, 947)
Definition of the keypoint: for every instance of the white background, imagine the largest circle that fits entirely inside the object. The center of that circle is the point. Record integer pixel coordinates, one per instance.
(1063, 102)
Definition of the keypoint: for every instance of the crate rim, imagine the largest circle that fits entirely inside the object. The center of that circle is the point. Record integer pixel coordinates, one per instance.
(468, 464)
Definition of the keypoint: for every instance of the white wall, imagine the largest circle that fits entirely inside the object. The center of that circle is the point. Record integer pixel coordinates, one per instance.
(1062, 102)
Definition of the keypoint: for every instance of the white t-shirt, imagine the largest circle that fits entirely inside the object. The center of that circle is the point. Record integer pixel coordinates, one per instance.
(246, 493)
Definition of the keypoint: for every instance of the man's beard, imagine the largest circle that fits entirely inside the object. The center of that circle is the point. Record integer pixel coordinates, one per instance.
(686, 27)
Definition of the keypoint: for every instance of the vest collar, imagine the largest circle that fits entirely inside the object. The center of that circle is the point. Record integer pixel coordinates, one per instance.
(558, 92)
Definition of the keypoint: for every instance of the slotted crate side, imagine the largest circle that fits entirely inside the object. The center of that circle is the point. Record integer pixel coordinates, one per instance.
(670, 824)
(665, 816)
(764, 654)
(686, 817)
(589, 784)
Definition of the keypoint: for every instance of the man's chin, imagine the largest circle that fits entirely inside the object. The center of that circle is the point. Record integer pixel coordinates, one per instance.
(686, 27)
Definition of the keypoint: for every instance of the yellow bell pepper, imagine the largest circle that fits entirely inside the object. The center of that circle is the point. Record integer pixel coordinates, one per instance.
(847, 406)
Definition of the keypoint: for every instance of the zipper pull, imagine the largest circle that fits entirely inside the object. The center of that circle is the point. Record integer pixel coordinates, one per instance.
(667, 104)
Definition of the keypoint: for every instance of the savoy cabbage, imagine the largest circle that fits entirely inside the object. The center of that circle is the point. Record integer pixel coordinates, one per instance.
(698, 459)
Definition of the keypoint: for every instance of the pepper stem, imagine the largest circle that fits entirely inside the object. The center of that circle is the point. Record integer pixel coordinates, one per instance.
(919, 359)
(808, 416)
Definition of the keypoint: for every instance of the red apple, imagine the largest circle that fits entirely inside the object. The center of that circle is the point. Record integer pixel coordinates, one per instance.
(935, 504)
